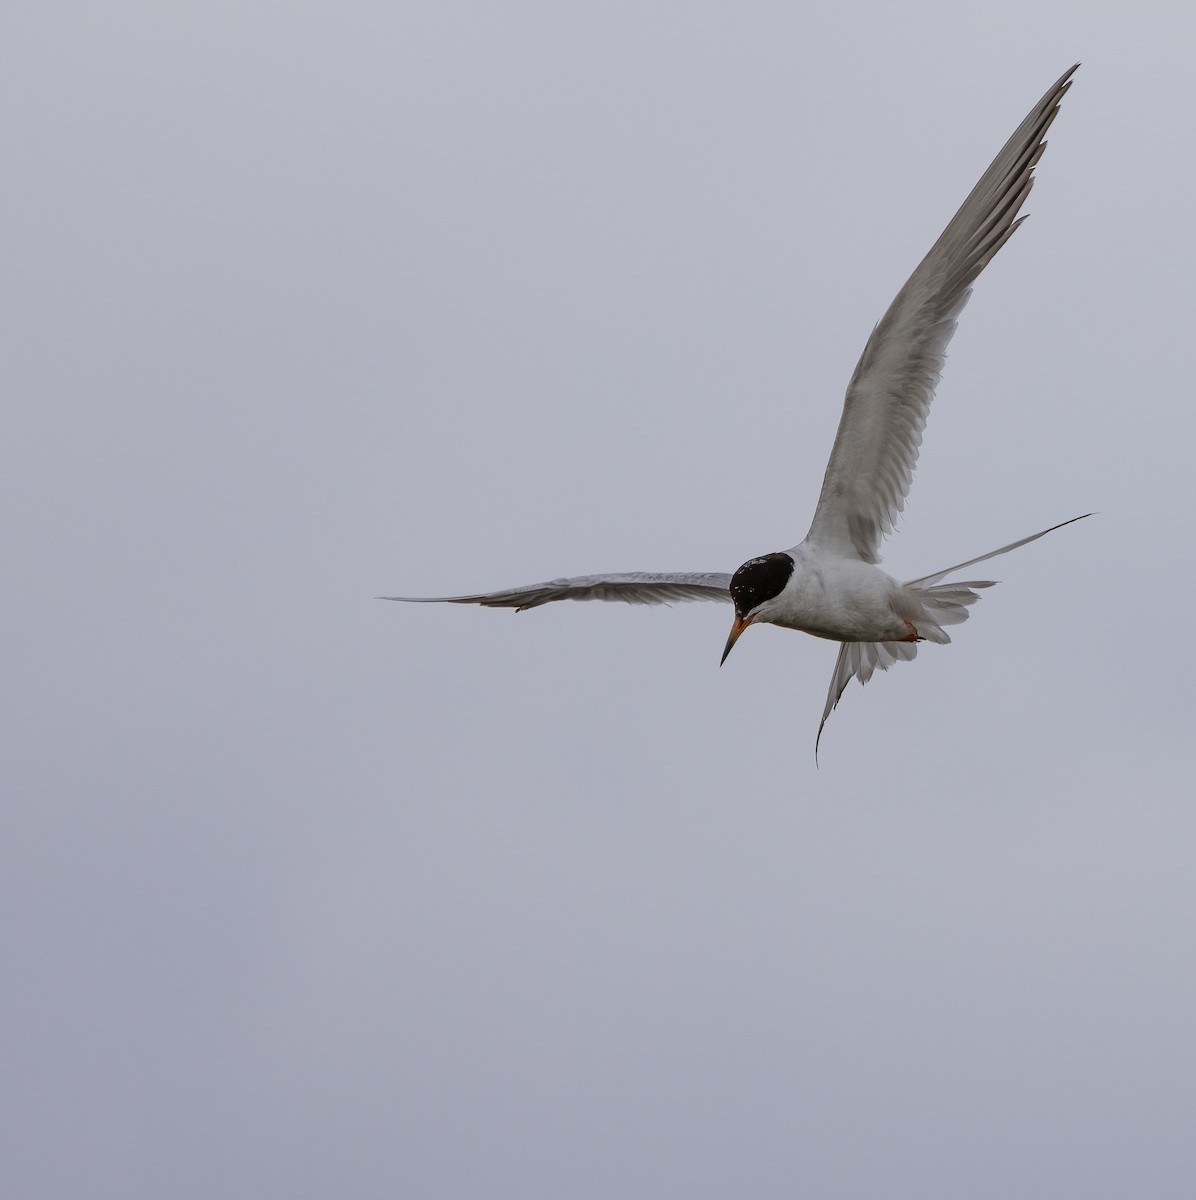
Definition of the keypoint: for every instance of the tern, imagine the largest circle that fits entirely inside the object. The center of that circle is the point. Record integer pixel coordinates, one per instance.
(830, 584)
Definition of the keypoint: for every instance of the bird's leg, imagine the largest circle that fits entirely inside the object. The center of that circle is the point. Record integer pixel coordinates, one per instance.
(912, 634)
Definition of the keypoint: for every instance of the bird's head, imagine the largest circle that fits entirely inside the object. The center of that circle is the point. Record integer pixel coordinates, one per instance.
(754, 587)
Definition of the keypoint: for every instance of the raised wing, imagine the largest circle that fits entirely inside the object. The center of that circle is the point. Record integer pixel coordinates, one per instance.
(876, 448)
(633, 587)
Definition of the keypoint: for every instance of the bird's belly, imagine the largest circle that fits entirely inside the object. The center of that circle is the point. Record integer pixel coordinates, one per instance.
(841, 628)
(863, 607)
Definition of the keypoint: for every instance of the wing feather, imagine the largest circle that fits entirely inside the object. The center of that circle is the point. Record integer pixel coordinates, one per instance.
(876, 448)
(633, 587)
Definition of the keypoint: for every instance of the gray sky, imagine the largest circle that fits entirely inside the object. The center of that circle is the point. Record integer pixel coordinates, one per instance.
(308, 895)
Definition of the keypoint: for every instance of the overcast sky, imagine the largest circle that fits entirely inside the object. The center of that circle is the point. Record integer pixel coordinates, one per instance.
(306, 894)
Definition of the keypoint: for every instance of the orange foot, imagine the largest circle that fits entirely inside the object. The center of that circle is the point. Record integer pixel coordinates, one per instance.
(912, 634)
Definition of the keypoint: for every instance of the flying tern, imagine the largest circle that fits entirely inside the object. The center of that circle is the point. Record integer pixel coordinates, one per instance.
(830, 585)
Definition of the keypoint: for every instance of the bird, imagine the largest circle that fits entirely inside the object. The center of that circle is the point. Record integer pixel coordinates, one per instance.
(830, 585)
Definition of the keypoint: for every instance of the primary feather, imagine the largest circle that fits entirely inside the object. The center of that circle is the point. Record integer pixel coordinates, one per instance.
(632, 587)
(876, 448)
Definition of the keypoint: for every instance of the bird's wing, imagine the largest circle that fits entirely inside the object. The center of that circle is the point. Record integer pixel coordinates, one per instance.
(876, 447)
(633, 587)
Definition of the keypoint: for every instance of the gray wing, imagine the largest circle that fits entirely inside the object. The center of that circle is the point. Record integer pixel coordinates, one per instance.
(876, 448)
(632, 587)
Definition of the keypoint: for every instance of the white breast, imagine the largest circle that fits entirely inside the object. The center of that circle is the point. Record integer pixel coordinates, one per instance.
(839, 598)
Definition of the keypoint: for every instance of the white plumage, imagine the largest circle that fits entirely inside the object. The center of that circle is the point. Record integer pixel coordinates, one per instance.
(829, 585)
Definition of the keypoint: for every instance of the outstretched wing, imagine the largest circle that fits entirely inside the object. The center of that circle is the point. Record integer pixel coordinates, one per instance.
(876, 448)
(633, 587)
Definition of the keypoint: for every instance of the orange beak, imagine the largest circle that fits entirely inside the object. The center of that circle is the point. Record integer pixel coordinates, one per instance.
(737, 627)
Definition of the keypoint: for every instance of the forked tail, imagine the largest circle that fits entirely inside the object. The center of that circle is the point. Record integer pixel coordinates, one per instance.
(944, 603)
